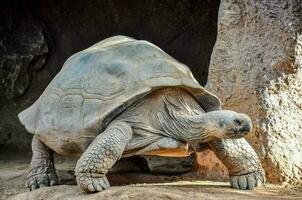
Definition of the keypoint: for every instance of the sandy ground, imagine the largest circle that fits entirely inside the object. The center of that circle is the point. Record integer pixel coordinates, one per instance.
(13, 169)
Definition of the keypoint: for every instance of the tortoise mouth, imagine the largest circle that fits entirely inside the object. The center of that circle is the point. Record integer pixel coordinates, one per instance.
(237, 133)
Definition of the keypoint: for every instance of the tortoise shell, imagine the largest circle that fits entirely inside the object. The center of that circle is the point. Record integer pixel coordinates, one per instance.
(97, 84)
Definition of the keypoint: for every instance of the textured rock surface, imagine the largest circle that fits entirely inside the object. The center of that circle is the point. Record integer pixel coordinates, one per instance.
(23, 51)
(176, 191)
(210, 167)
(256, 68)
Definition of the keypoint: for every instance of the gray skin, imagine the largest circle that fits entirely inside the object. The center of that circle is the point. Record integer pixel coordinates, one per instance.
(166, 122)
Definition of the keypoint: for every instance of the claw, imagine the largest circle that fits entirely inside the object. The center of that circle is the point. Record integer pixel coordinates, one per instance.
(40, 177)
(251, 182)
(247, 181)
(242, 182)
(105, 183)
(53, 182)
(90, 184)
(90, 188)
(234, 183)
(33, 187)
(259, 183)
(99, 188)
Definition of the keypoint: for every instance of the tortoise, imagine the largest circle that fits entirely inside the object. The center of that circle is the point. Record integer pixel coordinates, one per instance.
(124, 97)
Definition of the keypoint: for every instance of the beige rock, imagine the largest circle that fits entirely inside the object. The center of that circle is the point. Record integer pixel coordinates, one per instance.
(176, 191)
(209, 167)
(13, 171)
(256, 68)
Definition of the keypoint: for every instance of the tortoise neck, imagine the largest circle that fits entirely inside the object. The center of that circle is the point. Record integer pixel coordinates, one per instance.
(187, 128)
(181, 116)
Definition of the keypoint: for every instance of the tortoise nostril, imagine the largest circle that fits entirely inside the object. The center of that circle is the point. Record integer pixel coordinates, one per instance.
(246, 128)
(238, 122)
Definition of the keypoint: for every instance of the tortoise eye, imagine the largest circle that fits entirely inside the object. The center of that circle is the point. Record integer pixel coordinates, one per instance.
(238, 122)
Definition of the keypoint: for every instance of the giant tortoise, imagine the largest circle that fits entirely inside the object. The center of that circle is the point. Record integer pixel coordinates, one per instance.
(123, 97)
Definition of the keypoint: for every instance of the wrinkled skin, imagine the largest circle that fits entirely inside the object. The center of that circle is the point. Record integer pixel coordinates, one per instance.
(242, 162)
(42, 171)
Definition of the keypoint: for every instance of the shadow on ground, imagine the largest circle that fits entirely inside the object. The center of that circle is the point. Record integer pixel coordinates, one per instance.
(13, 169)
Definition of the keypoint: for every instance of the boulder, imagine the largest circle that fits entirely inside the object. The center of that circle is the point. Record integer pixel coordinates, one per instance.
(256, 68)
(23, 51)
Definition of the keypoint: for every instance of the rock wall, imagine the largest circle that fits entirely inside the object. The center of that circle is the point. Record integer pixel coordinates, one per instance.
(36, 37)
(24, 48)
(256, 68)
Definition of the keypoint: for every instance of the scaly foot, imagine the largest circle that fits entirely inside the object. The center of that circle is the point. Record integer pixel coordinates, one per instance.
(41, 176)
(90, 182)
(247, 181)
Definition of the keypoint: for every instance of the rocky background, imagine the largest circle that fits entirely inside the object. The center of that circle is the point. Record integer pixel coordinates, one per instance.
(256, 68)
(256, 64)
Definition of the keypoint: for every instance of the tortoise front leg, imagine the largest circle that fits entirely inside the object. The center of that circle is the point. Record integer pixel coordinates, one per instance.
(100, 156)
(242, 162)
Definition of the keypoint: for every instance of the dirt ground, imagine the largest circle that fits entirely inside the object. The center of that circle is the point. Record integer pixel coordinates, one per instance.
(13, 169)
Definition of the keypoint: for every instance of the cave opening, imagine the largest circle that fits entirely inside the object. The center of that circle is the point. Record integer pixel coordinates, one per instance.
(185, 29)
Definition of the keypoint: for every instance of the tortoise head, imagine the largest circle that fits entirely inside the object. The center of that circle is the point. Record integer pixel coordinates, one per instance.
(229, 124)
(222, 124)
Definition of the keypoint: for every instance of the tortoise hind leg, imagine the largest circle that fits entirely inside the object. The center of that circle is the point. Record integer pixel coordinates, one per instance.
(100, 156)
(42, 170)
